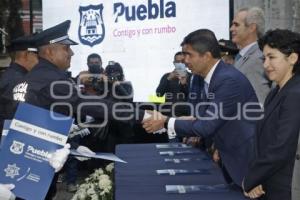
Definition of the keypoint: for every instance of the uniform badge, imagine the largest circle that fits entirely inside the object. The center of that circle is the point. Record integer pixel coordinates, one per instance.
(19, 91)
(17, 147)
(91, 29)
(12, 170)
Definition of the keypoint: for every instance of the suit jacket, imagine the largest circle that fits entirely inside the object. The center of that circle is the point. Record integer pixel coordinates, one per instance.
(233, 137)
(252, 67)
(296, 175)
(276, 142)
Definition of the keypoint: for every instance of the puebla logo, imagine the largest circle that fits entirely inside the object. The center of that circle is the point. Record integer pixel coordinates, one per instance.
(17, 147)
(91, 27)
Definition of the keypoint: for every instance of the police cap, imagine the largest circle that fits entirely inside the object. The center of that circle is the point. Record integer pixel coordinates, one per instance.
(56, 34)
(228, 47)
(24, 43)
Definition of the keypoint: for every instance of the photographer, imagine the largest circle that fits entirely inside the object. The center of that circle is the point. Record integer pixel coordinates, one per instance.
(89, 78)
(118, 88)
(175, 86)
(111, 85)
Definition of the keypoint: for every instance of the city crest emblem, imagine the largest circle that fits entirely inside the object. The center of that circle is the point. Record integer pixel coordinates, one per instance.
(91, 29)
(17, 147)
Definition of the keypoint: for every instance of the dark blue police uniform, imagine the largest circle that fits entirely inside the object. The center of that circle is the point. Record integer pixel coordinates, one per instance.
(13, 74)
(10, 78)
(47, 85)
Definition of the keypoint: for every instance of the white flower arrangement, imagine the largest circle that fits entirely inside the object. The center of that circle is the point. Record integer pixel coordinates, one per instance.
(97, 186)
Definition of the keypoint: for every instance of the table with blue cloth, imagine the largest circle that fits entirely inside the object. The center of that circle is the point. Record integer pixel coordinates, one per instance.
(138, 178)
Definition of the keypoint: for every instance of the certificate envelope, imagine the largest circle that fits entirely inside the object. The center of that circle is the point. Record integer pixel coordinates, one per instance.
(34, 134)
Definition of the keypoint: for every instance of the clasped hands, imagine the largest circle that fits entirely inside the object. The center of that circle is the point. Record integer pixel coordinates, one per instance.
(155, 121)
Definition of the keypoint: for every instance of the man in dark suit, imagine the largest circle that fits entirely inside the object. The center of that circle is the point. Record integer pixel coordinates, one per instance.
(226, 95)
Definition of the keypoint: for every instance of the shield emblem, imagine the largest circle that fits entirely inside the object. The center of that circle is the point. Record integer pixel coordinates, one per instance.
(91, 29)
(17, 147)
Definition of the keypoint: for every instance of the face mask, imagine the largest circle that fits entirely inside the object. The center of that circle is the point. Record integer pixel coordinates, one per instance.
(95, 69)
(179, 66)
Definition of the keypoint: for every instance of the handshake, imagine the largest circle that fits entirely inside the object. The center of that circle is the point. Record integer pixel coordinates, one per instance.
(154, 121)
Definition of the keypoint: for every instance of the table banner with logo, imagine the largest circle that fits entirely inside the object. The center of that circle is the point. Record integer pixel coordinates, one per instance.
(34, 134)
(141, 35)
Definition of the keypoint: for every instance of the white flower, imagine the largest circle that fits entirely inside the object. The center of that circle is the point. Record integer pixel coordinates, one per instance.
(84, 186)
(95, 176)
(109, 167)
(96, 185)
(75, 197)
(81, 196)
(105, 184)
(91, 191)
(87, 179)
(99, 171)
(103, 176)
(104, 192)
(94, 197)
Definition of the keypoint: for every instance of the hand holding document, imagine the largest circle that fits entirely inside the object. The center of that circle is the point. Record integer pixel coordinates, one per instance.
(58, 159)
(5, 192)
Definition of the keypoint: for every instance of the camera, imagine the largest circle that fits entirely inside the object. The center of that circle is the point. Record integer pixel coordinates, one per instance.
(114, 72)
(114, 76)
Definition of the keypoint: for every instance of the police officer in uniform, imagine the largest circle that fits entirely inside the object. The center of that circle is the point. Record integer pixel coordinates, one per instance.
(25, 57)
(49, 87)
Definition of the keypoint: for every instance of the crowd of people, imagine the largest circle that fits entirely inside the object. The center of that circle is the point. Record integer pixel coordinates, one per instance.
(237, 99)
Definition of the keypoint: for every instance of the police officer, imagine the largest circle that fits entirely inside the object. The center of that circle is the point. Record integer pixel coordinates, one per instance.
(49, 87)
(24, 53)
(24, 50)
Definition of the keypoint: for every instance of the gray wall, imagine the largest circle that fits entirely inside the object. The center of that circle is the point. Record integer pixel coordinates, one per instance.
(283, 14)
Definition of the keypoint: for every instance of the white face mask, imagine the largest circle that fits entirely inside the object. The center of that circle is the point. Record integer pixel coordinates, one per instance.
(179, 66)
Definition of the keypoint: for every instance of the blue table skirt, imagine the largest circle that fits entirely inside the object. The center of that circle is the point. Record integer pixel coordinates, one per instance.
(138, 179)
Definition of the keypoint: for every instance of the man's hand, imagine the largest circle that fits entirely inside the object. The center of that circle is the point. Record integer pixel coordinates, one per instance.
(85, 151)
(255, 192)
(216, 155)
(5, 192)
(155, 122)
(76, 130)
(58, 159)
(182, 80)
(173, 75)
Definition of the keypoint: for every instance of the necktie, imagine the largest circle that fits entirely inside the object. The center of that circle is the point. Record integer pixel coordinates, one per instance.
(237, 57)
(204, 91)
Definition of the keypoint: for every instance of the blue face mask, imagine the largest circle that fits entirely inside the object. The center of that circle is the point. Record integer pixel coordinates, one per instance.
(179, 66)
